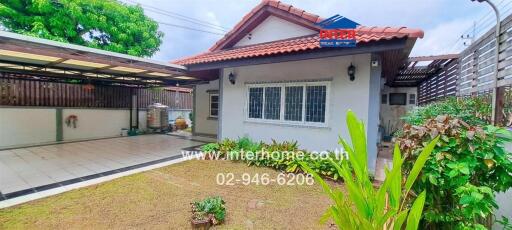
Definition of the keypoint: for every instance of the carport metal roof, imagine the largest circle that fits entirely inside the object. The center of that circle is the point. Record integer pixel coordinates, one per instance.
(419, 69)
(25, 57)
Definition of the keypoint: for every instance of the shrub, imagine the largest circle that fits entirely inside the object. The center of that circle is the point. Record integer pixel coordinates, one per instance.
(467, 167)
(284, 156)
(211, 208)
(473, 110)
(210, 148)
(365, 207)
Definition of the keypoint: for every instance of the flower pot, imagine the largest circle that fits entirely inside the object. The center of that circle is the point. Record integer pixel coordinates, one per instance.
(201, 224)
(180, 123)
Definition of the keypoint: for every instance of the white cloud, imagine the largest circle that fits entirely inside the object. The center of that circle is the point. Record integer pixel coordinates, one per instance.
(442, 39)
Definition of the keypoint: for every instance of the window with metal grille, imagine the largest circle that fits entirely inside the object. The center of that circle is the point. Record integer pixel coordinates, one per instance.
(295, 103)
(412, 99)
(256, 102)
(272, 103)
(315, 103)
(214, 105)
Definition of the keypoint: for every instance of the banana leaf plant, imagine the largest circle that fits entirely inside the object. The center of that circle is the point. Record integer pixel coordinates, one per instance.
(363, 206)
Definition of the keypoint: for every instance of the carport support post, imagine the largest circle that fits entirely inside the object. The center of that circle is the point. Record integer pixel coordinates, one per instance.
(134, 107)
(131, 109)
(137, 108)
(58, 123)
(194, 110)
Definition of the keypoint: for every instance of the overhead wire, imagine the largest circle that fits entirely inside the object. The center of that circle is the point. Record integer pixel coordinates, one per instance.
(178, 16)
(483, 24)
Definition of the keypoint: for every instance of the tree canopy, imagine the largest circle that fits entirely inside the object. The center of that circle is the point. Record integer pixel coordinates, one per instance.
(104, 24)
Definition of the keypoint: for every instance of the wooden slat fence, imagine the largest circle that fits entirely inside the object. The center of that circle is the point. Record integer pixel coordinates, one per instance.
(477, 62)
(14, 92)
(440, 85)
(475, 73)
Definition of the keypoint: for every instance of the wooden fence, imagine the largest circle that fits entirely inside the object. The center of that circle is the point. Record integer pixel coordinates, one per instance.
(477, 62)
(14, 92)
(440, 85)
(474, 73)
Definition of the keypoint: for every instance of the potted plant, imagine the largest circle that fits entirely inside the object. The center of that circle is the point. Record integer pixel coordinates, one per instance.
(208, 212)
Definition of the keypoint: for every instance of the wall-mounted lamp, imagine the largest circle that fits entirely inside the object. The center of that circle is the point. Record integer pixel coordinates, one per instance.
(351, 72)
(232, 78)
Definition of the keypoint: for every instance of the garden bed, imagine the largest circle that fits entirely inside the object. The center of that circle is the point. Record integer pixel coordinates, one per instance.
(161, 199)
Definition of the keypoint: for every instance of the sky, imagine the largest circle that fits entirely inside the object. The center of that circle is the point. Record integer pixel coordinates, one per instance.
(443, 21)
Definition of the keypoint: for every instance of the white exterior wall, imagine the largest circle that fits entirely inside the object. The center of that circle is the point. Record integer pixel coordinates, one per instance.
(22, 126)
(272, 29)
(342, 96)
(391, 114)
(31, 126)
(204, 124)
(96, 123)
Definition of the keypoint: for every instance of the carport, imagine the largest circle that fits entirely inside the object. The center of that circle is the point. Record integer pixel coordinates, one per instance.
(62, 104)
(31, 68)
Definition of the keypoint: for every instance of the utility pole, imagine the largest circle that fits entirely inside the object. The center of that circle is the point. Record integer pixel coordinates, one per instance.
(469, 38)
(496, 110)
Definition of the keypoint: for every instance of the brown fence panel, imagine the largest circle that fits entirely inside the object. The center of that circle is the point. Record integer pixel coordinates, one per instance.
(15, 92)
(477, 62)
(173, 99)
(440, 85)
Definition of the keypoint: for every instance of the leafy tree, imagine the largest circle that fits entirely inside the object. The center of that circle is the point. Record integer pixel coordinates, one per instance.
(103, 24)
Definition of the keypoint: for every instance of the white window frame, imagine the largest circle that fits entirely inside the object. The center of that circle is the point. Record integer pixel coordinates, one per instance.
(210, 105)
(283, 86)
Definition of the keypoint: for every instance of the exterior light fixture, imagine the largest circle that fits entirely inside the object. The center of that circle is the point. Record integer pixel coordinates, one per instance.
(232, 78)
(351, 72)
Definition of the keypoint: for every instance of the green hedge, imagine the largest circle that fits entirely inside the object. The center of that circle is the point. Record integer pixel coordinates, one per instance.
(283, 156)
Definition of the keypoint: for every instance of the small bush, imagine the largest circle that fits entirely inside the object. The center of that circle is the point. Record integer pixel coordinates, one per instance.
(467, 167)
(211, 208)
(284, 156)
(210, 148)
(472, 110)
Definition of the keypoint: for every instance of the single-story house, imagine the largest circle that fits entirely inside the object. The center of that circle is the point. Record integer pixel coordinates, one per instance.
(269, 78)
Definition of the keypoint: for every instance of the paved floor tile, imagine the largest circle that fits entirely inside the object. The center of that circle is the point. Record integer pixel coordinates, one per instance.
(25, 168)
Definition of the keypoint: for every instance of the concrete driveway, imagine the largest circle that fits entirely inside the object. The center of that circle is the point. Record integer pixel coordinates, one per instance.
(28, 170)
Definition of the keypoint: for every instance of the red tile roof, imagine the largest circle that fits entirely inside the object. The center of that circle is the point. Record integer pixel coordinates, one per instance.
(311, 18)
(363, 35)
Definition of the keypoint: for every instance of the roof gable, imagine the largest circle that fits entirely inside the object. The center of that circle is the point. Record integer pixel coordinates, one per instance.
(274, 29)
(259, 14)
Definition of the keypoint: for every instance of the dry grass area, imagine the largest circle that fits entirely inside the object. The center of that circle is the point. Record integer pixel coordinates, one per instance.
(160, 199)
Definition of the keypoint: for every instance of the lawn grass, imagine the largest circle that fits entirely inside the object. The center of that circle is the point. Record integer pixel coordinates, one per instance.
(160, 199)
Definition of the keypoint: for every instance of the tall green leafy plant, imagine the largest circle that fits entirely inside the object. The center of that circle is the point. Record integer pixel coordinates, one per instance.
(468, 166)
(364, 206)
